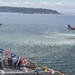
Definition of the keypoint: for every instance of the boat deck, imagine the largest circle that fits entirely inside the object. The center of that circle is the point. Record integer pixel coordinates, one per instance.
(21, 71)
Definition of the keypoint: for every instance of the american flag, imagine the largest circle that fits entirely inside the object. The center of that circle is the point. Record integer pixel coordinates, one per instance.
(19, 59)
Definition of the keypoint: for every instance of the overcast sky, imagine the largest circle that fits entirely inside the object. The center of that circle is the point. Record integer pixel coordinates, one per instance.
(59, 5)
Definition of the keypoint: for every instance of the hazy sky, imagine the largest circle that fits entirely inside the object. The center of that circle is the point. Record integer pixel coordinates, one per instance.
(59, 5)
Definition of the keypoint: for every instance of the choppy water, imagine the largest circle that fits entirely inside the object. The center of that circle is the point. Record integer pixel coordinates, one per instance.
(42, 38)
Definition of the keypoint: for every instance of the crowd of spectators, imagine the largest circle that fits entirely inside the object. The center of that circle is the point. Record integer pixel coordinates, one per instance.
(10, 63)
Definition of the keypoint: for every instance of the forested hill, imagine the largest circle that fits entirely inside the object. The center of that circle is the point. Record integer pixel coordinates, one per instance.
(27, 10)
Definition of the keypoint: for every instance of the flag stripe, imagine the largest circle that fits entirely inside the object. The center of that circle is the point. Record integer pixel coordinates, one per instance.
(1, 50)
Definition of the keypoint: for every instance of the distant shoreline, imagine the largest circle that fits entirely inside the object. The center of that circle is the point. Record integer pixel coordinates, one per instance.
(27, 10)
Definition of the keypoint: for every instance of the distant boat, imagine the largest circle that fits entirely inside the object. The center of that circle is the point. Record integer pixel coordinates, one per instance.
(0, 24)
